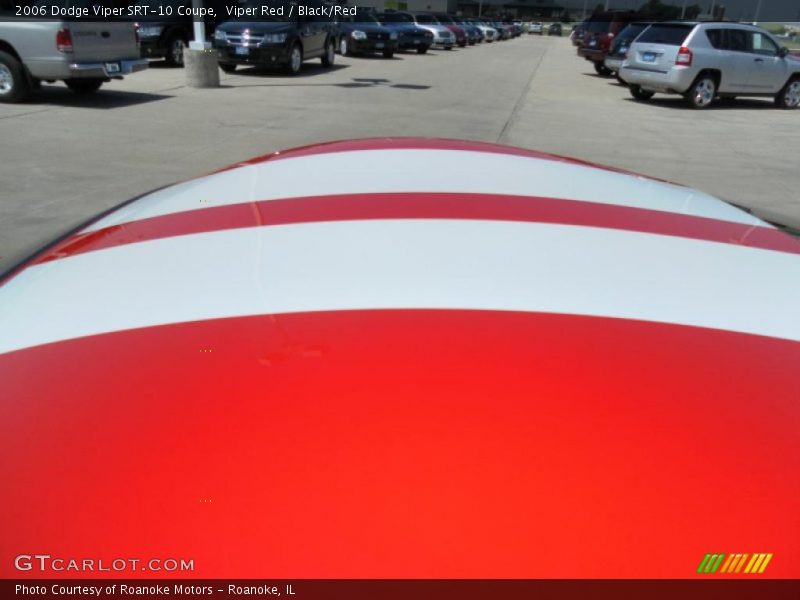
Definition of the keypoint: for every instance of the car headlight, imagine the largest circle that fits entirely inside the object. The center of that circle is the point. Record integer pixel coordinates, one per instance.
(393, 35)
(220, 36)
(150, 31)
(273, 38)
(358, 35)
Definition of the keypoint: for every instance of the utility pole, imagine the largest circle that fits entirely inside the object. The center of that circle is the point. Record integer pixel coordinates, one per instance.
(200, 59)
(758, 10)
(199, 42)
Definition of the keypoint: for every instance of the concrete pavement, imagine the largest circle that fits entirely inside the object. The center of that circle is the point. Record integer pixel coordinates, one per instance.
(65, 158)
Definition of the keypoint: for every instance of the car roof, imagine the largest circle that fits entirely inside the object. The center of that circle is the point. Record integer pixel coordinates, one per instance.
(275, 177)
(330, 376)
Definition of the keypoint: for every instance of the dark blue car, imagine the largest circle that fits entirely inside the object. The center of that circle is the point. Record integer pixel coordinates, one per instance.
(409, 35)
(363, 34)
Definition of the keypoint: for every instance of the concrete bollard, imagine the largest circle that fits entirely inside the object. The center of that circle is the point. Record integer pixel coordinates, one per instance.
(201, 68)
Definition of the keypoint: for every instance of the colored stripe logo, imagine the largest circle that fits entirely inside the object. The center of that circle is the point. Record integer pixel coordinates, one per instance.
(734, 563)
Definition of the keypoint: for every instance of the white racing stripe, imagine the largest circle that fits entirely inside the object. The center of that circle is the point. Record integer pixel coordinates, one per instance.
(404, 264)
(390, 171)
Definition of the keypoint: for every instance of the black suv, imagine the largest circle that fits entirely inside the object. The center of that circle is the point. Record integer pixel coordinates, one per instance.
(166, 37)
(275, 41)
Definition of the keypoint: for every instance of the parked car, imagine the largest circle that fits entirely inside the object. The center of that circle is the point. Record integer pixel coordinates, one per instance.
(461, 36)
(364, 34)
(504, 30)
(82, 54)
(577, 33)
(474, 33)
(275, 41)
(535, 27)
(619, 47)
(601, 29)
(555, 29)
(703, 61)
(410, 36)
(489, 33)
(442, 36)
(166, 37)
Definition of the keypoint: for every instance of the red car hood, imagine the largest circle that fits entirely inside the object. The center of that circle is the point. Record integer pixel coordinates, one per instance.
(467, 361)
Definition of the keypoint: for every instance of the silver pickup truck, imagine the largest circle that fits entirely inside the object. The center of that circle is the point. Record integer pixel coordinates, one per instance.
(82, 54)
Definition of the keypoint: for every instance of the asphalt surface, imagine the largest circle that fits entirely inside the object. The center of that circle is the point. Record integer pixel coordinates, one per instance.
(65, 158)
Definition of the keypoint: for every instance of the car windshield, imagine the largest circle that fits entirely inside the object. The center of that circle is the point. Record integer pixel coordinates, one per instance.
(665, 33)
(597, 26)
(631, 31)
(627, 35)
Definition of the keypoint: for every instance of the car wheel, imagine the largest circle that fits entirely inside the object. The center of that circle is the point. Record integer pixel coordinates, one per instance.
(227, 67)
(388, 53)
(601, 69)
(344, 46)
(789, 96)
(639, 94)
(702, 92)
(295, 60)
(84, 86)
(14, 86)
(174, 56)
(448, 48)
(421, 50)
(330, 54)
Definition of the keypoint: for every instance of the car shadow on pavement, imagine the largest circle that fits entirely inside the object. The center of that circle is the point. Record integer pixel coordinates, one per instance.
(104, 98)
(308, 70)
(278, 79)
(162, 64)
(677, 103)
(376, 56)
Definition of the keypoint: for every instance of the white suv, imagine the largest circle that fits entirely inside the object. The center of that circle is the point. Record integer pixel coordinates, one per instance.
(703, 61)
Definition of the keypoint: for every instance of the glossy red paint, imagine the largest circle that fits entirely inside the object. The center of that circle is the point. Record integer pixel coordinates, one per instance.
(424, 206)
(404, 444)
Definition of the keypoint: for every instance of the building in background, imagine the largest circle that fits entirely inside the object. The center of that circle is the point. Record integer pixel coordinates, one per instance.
(576, 10)
(412, 5)
(518, 9)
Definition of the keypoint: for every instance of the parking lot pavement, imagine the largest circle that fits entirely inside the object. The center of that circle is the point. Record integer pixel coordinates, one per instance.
(66, 158)
(744, 151)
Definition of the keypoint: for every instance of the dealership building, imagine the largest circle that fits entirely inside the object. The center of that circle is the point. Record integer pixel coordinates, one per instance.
(523, 9)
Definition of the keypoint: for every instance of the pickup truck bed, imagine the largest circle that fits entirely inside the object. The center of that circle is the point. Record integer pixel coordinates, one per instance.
(82, 54)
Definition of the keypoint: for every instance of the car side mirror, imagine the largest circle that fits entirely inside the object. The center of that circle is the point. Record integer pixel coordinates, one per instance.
(783, 51)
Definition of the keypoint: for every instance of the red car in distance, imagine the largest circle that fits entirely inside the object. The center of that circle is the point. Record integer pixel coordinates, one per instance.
(458, 31)
(598, 33)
